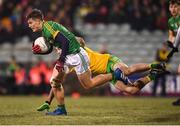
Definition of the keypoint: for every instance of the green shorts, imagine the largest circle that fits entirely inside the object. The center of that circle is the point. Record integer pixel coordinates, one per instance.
(112, 61)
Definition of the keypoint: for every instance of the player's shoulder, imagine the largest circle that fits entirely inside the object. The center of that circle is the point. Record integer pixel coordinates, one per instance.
(51, 22)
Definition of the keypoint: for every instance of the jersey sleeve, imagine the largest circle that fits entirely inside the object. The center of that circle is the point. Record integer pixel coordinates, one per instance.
(51, 29)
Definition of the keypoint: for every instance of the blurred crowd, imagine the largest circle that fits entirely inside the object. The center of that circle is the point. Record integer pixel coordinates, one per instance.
(140, 14)
(34, 79)
(30, 78)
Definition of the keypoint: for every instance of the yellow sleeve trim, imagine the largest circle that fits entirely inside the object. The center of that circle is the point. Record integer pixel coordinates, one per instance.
(51, 30)
(55, 34)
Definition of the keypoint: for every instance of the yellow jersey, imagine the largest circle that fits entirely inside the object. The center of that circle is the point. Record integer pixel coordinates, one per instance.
(98, 62)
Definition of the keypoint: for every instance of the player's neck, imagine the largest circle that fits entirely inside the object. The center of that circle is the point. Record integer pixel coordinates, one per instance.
(175, 16)
(41, 25)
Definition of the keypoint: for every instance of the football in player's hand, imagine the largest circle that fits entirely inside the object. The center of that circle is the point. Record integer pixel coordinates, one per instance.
(41, 42)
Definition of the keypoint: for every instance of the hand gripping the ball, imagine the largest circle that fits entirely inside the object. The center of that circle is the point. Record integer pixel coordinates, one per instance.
(36, 49)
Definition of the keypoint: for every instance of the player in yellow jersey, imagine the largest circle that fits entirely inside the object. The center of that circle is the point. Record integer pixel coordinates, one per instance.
(105, 64)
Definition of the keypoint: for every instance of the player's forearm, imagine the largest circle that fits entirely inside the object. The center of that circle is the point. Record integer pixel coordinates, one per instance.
(64, 46)
(81, 41)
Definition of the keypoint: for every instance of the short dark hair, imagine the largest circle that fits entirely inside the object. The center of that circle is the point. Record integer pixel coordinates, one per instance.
(174, 2)
(35, 13)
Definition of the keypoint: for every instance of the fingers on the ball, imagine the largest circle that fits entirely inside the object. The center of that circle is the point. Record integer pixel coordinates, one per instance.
(36, 48)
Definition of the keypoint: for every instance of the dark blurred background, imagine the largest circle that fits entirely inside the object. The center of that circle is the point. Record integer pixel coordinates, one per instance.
(132, 29)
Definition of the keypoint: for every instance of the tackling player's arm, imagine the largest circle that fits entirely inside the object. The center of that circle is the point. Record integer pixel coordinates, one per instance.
(81, 41)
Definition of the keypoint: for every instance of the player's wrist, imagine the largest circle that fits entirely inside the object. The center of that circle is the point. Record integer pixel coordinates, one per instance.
(36, 49)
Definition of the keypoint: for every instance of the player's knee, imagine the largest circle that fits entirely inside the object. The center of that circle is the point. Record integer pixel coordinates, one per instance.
(86, 86)
(55, 83)
(131, 90)
(127, 71)
(123, 67)
(127, 94)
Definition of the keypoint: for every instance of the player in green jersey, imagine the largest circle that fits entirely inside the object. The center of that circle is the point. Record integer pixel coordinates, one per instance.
(173, 26)
(72, 55)
(127, 89)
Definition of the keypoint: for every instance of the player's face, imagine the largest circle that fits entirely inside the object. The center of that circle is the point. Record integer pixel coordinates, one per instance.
(34, 24)
(174, 9)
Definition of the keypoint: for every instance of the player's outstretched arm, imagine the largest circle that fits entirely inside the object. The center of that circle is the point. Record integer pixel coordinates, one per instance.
(81, 41)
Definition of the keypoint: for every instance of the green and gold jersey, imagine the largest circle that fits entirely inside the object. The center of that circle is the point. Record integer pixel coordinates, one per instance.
(173, 24)
(51, 29)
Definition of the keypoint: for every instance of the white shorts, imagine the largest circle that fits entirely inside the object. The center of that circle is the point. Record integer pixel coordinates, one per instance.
(79, 61)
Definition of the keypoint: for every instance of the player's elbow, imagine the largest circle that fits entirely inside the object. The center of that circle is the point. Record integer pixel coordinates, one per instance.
(81, 41)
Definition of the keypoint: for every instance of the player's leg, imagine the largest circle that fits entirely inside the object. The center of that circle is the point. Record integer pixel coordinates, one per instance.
(139, 67)
(137, 85)
(56, 84)
(132, 89)
(57, 88)
(87, 82)
(177, 102)
(120, 69)
(128, 70)
(50, 96)
(46, 104)
(84, 74)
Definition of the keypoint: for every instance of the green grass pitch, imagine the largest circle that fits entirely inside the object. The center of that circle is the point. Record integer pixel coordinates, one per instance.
(91, 111)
